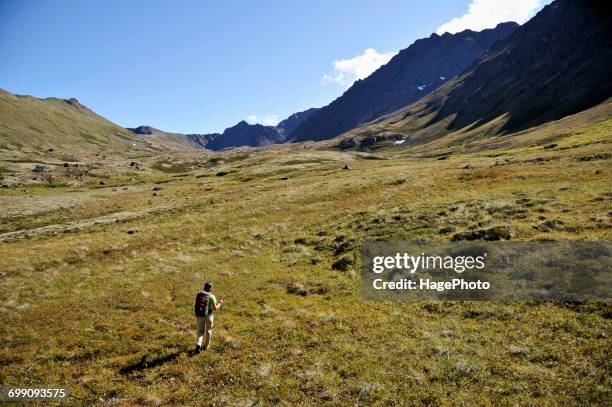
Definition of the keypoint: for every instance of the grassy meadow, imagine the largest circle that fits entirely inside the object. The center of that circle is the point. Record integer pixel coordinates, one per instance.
(97, 281)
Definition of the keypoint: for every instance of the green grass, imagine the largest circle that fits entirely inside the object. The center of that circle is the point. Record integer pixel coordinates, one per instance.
(108, 314)
(3, 171)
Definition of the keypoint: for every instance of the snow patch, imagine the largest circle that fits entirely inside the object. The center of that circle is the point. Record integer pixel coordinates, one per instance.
(399, 142)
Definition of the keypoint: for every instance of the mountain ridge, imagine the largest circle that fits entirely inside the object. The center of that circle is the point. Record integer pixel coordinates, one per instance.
(242, 134)
(567, 46)
(28, 122)
(411, 74)
(553, 66)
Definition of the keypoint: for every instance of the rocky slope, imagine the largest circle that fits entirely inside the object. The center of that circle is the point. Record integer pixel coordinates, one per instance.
(291, 123)
(413, 73)
(244, 134)
(555, 65)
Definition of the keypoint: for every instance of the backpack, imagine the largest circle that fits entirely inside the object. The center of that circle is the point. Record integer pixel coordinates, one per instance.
(201, 304)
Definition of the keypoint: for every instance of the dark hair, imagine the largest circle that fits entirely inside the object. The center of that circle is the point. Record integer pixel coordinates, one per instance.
(207, 286)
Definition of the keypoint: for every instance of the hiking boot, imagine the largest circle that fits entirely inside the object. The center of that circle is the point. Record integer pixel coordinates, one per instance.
(197, 349)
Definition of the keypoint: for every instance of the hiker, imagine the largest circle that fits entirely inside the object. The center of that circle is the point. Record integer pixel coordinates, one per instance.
(205, 305)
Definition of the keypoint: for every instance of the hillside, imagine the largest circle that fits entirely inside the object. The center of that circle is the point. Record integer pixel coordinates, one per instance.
(167, 139)
(278, 231)
(32, 124)
(555, 65)
(413, 73)
(102, 252)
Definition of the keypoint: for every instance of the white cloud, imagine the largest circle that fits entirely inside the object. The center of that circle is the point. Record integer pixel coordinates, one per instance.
(267, 120)
(483, 14)
(347, 71)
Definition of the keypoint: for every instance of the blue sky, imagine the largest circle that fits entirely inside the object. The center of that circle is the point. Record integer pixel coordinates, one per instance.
(201, 66)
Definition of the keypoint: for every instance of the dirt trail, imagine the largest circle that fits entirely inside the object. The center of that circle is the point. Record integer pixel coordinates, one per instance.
(29, 204)
(32, 204)
(75, 226)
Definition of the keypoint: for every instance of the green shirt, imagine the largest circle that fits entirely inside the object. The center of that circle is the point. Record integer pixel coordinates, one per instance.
(211, 303)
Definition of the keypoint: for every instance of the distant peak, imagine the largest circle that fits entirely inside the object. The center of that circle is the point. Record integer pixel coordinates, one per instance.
(143, 130)
(73, 102)
(468, 32)
(507, 24)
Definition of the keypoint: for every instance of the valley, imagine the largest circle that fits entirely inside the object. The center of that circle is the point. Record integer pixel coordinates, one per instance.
(493, 134)
(97, 280)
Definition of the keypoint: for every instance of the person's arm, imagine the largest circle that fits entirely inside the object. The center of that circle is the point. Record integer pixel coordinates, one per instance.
(218, 304)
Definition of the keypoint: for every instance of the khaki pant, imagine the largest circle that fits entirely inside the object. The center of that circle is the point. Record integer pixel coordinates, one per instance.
(205, 324)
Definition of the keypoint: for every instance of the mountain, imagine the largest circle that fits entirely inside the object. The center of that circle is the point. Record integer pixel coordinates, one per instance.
(27, 122)
(257, 135)
(555, 65)
(244, 134)
(413, 73)
(148, 130)
(292, 122)
(240, 135)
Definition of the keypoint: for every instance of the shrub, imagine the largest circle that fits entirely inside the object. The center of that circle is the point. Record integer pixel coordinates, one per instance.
(343, 263)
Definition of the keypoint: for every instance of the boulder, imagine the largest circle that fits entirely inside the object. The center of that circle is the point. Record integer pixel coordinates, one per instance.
(347, 144)
(367, 142)
(41, 168)
(343, 263)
